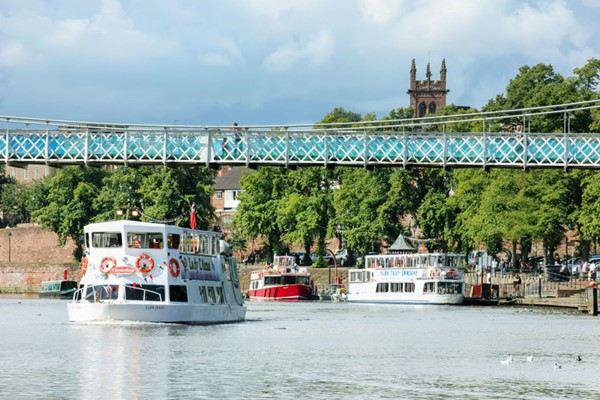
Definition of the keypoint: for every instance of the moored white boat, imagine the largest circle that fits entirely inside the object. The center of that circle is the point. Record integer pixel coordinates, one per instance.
(432, 278)
(149, 272)
(283, 281)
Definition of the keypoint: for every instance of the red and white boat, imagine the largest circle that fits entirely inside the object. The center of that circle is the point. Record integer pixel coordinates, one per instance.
(283, 281)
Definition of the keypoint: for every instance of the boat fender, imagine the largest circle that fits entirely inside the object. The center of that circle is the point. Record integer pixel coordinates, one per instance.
(174, 267)
(107, 264)
(84, 265)
(144, 263)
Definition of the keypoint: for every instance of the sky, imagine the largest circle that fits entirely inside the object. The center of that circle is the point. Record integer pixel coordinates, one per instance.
(272, 62)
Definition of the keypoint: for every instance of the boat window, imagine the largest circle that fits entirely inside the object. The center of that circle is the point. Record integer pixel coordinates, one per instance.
(145, 240)
(211, 294)
(173, 241)
(106, 239)
(449, 288)
(178, 293)
(220, 298)
(272, 280)
(145, 292)
(395, 287)
(303, 280)
(203, 295)
(409, 287)
(382, 287)
(87, 240)
(289, 280)
(102, 292)
(428, 287)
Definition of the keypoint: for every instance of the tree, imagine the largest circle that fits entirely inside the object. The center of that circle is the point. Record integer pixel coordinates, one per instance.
(256, 214)
(70, 203)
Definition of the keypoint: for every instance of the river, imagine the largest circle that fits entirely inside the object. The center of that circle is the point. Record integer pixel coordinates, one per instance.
(307, 350)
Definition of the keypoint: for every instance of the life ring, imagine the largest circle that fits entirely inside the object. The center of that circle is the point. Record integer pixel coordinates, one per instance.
(144, 263)
(174, 267)
(431, 274)
(84, 265)
(107, 264)
(451, 273)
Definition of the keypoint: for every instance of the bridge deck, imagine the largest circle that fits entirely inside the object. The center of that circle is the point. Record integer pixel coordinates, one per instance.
(301, 148)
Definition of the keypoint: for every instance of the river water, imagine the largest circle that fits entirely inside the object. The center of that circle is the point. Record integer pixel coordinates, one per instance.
(308, 350)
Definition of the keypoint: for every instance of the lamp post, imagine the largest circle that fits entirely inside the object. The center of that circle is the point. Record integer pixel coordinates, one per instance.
(9, 236)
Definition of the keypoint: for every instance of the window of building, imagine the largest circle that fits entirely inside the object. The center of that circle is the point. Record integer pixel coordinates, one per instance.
(422, 110)
(47, 171)
(432, 108)
(218, 194)
(26, 173)
(14, 172)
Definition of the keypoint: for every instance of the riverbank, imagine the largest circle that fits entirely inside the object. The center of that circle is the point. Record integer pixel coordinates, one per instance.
(532, 292)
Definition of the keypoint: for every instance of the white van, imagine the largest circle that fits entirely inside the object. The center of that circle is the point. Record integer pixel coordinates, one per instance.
(474, 256)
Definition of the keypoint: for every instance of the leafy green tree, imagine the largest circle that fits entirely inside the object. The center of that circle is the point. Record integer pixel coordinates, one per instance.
(161, 194)
(256, 215)
(70, 203)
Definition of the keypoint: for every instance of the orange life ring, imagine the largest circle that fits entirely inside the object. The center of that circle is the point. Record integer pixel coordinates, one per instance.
(107, 264)
(431, 274)
(174, 267)
(144, 263)
(84, 265)
(451, 273)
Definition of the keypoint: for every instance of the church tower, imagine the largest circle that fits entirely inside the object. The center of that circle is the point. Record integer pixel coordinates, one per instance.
(427, 96)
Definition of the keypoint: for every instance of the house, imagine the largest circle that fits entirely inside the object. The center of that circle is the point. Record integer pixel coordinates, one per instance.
(225, 199)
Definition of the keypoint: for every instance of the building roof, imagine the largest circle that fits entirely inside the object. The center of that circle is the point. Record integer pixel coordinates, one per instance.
(402, 245)
(230, 180)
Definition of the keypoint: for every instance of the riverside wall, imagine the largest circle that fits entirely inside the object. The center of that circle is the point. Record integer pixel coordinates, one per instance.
(27, 278)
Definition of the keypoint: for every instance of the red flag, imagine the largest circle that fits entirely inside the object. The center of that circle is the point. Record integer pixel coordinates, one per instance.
(193, 216)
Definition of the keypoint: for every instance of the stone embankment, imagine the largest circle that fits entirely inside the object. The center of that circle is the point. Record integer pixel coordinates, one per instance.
(27, 278)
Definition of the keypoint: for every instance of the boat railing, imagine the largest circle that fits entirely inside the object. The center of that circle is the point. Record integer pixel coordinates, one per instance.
(94, 295)
(146, 291)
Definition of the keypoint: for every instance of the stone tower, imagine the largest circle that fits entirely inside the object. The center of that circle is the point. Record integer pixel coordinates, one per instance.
(427, 96)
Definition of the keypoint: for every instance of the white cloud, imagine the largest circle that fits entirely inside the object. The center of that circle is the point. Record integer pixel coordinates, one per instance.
(12, 54)
(381, 11)
(68, 32)
(315, 52)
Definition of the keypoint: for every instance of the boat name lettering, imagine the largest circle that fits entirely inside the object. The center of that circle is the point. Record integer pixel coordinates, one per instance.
(155, 307)
(403, 272)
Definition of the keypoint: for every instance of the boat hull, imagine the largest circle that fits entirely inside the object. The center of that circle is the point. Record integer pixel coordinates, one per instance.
(434, 300)
(155, 312)
(284, 292)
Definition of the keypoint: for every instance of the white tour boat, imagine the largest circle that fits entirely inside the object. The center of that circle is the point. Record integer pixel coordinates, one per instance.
(434, 278)
(150, 272)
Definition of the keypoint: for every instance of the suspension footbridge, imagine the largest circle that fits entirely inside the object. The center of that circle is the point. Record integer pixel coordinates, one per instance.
(505, 139)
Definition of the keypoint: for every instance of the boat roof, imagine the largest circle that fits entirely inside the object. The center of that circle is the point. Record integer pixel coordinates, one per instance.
(145, 226)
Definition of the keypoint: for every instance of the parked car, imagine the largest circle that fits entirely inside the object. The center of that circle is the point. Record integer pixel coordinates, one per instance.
(299, 256)
(474, 256)
(326, 257)
(343, 256)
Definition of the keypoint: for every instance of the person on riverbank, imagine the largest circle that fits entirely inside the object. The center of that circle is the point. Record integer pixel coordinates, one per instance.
(517, 284)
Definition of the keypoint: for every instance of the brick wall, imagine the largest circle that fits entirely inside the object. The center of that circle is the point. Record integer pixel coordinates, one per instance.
(27, 278)
(30, 243)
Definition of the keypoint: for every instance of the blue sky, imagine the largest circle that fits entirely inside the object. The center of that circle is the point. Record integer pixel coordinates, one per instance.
(271, 61)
